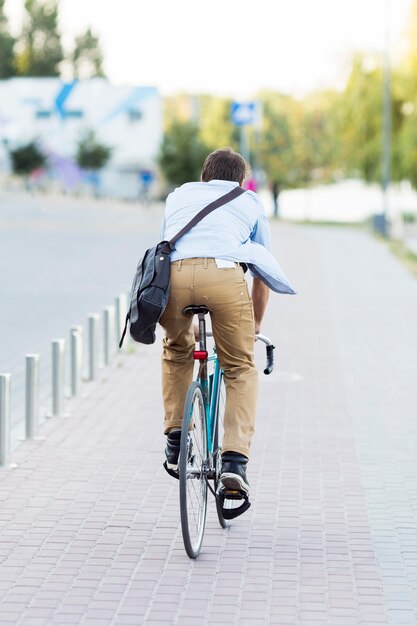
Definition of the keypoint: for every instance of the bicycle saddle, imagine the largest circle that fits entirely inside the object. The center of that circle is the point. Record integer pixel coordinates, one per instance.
(195, 309)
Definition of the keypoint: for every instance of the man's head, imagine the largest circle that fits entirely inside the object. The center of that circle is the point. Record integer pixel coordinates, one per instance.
(224, 164)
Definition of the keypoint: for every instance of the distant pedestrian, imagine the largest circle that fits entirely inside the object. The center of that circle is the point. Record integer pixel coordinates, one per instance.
(251, 184)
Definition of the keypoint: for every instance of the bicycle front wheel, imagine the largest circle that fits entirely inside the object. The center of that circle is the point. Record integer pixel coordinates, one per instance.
(192, 470)
(218, 437)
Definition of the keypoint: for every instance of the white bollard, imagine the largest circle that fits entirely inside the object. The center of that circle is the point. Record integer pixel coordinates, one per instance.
(58, 347)
(93, 345)
(108, 333)
(76, 347)
(5, 383)
(121, 310)
(32, 396)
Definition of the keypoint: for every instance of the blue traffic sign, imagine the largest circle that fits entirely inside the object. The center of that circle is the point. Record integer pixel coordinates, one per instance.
(243, 113)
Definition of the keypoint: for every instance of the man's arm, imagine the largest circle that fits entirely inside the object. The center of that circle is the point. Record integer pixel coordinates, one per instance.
(260, 295)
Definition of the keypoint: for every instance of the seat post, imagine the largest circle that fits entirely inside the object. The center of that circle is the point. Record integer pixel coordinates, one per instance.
(202, 330)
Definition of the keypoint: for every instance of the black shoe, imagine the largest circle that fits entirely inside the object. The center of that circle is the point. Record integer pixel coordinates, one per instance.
(233, 474)
(172, 449)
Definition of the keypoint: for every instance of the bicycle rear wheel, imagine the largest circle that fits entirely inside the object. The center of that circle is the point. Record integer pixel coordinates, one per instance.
(192, 466)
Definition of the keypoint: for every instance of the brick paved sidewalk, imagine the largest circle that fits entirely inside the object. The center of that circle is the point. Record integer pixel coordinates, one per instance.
(89, 521)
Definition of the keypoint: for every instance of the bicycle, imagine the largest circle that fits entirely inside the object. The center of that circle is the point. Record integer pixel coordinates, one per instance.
(200, 451)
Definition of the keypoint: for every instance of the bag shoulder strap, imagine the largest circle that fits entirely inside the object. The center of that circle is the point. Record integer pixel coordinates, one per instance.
(230, 195)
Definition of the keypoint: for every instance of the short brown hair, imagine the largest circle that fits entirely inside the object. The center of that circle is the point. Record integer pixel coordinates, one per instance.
(224, 164)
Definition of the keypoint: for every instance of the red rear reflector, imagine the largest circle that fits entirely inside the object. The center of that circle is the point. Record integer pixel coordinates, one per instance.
(200, 355)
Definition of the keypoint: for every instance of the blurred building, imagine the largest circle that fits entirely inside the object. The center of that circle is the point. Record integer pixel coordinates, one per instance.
(58, 114)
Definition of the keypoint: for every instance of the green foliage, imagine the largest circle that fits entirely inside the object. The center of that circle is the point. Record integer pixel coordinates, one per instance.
(277, 146)
(210, 113)
(216, 129)
(7, 42)
(406, 88)
(408, 258)
(27, 158)
(360, 122)
(40, 46)
(408, 217)
(39, 51)
(91, 154)
(317, 142)
(87, 57)
(409, 61)
(182, 153)
(408, 148)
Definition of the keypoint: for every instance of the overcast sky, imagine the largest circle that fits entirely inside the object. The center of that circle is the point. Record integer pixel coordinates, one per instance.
(232, 47)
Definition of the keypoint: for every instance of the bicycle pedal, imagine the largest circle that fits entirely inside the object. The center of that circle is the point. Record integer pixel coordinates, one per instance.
(171, 472)
(232, 494)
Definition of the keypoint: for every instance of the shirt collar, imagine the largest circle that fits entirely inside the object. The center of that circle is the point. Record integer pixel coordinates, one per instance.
(217, 181)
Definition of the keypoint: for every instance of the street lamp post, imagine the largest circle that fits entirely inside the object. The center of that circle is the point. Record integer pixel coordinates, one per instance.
(386, 129)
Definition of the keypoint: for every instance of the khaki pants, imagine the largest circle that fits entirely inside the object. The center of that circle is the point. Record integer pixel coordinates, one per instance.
(225, 293)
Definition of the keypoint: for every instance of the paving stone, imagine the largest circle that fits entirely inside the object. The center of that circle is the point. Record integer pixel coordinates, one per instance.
(89, 529)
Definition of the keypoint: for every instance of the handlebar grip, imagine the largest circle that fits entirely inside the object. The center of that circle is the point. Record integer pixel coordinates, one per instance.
(269, 359)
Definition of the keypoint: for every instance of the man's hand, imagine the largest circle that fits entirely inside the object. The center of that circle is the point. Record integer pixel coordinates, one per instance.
(260, 295)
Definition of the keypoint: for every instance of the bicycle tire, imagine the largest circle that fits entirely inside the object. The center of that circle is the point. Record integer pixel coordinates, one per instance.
(192, 464)
(218, 433)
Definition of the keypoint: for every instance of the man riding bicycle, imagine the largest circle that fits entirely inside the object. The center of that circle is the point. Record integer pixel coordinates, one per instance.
(207, 268)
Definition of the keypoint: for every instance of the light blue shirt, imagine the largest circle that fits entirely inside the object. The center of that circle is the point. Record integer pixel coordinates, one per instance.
(237, 231)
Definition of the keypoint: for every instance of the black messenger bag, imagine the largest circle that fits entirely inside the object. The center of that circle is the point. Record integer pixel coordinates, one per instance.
(150, 289)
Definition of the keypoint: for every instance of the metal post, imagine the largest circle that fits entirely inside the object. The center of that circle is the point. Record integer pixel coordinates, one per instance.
(244, 142)
(58, 347)
(32, 396)
(120, 312)
(386, 131)
(76, 360)
(93, 345)
(5, 383)
(108, 333)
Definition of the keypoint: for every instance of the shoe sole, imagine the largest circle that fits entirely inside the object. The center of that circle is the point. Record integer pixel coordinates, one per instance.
(234, 482)
(172, 466)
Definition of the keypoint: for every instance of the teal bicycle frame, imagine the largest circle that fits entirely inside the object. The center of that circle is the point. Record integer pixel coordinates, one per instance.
(210, 385)
(204, 396)
(212, 406)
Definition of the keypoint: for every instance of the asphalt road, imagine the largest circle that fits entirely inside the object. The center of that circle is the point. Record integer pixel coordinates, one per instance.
(61, 259)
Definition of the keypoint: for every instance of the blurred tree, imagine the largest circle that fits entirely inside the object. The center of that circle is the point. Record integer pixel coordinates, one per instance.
(317, 143)
(39, 46)
(181, 108)
(26, 159)
(7, 42)
(91, 154)
(216, 128)
(87, 57)
(407, 144)
(297, 144)
(182, 153)
(211, 114)
(360, 122)
(409, 61)
(277, 144)
(405, 86)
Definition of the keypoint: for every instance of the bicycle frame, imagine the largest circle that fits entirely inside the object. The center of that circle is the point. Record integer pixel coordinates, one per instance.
(210, 384)
(204, 397)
